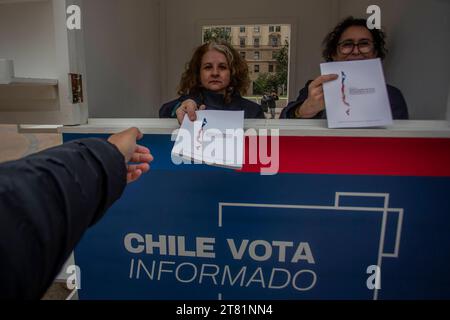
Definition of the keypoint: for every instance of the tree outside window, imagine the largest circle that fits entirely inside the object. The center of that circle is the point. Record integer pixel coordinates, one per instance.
(217, 34)
(274, 41)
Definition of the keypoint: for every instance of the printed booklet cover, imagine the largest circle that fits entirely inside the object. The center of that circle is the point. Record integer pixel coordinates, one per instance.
(358, 98)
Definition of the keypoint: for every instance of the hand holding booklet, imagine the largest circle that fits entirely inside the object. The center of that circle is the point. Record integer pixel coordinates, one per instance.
(215, 138)
(358, 98)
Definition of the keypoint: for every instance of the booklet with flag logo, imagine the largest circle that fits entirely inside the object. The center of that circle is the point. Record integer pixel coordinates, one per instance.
(215, 138)
(358, 98)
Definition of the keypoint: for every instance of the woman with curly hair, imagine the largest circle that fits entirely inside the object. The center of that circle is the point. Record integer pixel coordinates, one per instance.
(215, 79)
(350, 40)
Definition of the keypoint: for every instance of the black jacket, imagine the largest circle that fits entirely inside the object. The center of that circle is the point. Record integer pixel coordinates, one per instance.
(215, 101)
(47, 201)
(398, 104)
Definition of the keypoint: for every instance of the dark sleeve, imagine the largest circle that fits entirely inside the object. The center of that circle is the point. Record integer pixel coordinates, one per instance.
(260, 114)
(399, 108)
(252, 110)
(47, 201)
(289, 111)
(166, 109)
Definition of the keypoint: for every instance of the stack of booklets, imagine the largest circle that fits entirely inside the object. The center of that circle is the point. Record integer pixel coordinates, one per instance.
(215, 138)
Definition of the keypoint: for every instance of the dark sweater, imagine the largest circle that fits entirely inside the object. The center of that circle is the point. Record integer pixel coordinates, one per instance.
(215, 101)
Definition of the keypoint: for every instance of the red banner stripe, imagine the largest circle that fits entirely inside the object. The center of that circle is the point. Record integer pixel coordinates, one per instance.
(360, 156)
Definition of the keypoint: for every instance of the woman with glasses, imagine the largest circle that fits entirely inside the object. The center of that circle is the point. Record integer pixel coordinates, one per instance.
(350, 40)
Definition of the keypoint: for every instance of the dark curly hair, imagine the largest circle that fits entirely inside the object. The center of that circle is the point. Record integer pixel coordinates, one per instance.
(330, 42)
(239, 79)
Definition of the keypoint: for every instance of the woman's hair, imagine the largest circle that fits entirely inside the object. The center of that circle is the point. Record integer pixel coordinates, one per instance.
(239, 80)
(330, 42)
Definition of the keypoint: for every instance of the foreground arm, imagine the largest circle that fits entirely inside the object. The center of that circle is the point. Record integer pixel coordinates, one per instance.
(48, 200)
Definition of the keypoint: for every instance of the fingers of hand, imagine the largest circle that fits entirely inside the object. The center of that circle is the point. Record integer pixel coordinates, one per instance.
(141, 149)
(141, 157)
(322, 79)
(133, 176)
(134, 132)
(189, 107)
(192, 115)
(143, 167)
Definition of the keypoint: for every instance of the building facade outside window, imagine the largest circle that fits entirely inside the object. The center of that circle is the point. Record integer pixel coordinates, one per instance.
(274, 41)
(258, 45)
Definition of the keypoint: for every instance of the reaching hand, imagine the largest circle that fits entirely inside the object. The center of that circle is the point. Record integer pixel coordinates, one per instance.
(125, 141)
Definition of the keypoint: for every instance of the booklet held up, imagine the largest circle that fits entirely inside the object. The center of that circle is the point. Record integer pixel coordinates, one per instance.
(358, 98)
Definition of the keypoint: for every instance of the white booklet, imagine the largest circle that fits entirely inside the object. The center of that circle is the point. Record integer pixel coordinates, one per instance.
(358, 98)
(215, 138)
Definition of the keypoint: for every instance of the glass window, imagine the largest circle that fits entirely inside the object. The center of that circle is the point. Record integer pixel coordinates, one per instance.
(256, 68)
(256, 42)
(256, 29)
(256, 55)
(242, 42)
(274, 41)
(242, 53)
(271, 68)
(242, 29)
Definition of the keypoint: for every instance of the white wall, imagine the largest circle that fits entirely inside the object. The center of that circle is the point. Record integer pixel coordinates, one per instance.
(122, 57)
(27, 37)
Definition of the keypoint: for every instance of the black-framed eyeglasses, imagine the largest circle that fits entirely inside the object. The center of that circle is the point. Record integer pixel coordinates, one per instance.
(347, 47)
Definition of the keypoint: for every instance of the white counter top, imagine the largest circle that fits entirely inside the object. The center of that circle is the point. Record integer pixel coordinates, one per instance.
(401, 128)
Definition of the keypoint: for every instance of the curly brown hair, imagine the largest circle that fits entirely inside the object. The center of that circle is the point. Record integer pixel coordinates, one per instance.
(330, 43)
(239, 78)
